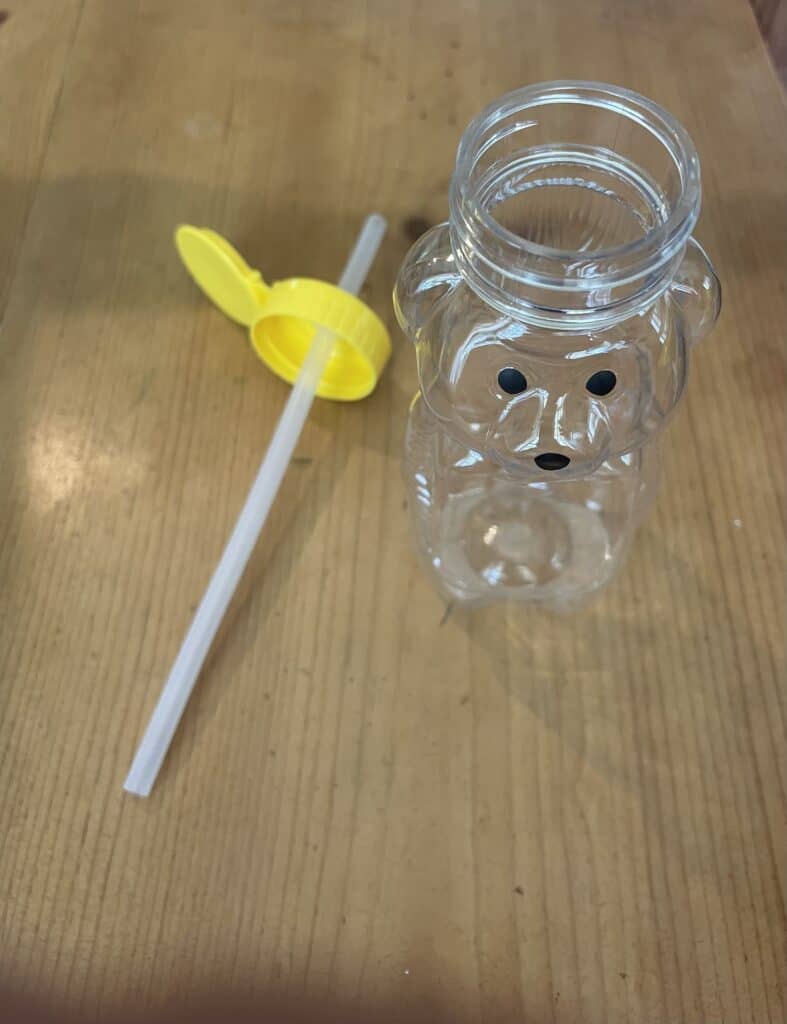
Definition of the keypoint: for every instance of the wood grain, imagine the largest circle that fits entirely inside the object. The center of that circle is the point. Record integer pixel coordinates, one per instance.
(372, 801)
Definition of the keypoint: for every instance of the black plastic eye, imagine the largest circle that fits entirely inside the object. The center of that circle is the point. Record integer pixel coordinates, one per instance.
(512, 381)
(601, 383)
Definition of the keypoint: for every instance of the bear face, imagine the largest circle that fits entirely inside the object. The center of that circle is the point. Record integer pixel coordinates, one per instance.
(538, 403)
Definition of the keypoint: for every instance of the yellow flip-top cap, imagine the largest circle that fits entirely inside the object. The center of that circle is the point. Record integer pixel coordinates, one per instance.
(282, 318)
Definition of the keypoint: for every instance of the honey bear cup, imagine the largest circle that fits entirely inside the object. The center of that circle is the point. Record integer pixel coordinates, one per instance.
(553, 317)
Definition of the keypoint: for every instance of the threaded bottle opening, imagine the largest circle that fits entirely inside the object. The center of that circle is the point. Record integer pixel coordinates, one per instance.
(572, 201)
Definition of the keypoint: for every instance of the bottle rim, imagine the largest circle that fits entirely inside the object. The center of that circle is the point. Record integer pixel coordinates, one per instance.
(503, 265)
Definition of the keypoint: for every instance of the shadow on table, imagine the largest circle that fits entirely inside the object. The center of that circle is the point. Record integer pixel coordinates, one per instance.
(620, 645)
(121, 257)
(619, 681)
(309, 486)
(106, 239)
(230, 1008)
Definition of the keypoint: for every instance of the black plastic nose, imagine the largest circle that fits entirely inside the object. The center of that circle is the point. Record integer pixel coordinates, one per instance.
(552, 460)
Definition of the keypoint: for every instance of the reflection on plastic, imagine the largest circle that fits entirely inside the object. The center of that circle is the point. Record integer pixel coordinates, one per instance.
(552, 317)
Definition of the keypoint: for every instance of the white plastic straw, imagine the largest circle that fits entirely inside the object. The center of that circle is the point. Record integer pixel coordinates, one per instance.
(177, 690)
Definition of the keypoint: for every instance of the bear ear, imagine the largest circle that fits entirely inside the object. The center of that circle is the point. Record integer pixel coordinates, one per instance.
(697, 291)
(427, 274)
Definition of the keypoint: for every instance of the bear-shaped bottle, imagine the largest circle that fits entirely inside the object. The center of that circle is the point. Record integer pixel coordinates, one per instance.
(553, 317)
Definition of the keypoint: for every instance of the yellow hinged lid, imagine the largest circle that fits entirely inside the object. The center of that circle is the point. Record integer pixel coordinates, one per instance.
(283, 317)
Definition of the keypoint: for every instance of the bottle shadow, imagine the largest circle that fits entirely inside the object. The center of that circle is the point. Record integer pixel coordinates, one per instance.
(622, 683)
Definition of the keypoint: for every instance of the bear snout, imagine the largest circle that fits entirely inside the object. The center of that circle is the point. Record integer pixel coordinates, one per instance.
(552, 460)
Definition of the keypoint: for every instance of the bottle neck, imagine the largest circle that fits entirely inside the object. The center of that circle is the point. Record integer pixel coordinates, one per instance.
(571, 204)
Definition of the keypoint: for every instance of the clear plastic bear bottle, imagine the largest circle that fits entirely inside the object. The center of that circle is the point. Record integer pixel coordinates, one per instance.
(553, 317)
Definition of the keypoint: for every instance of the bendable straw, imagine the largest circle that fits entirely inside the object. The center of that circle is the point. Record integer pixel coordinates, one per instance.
(177, 690)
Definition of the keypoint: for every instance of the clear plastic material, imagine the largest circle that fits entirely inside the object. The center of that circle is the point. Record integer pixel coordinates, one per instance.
(180, 683)
(552, 317)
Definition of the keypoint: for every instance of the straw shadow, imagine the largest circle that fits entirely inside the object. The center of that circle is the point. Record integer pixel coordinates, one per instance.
(123, 259)
(309, 486)
(317, 473)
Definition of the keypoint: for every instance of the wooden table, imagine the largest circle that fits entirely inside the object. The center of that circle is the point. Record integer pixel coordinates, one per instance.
(371, 802)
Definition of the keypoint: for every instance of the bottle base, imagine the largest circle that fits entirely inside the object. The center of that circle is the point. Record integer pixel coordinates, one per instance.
(520, 546)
